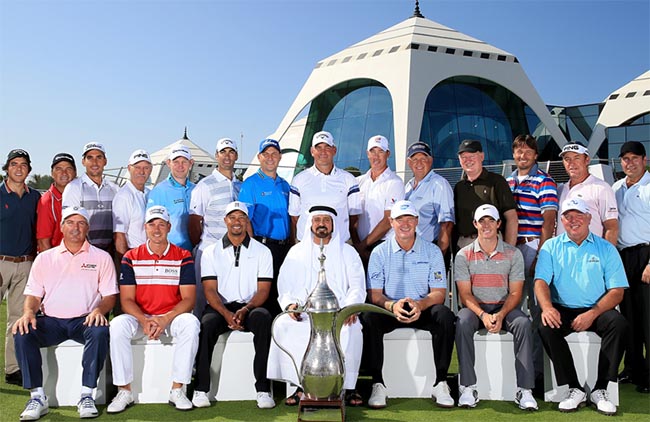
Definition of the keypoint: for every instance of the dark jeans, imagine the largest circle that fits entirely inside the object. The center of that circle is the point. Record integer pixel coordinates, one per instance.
(258, 321)
(51, 331)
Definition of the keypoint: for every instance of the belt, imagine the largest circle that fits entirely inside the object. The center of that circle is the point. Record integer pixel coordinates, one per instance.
(269, 241)
(16, 259)
(526, 239)
(639, 246)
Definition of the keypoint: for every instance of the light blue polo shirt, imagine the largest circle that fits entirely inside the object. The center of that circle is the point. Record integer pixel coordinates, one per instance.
(267, 200)
(176, 198)
(633, 211)
(434, 200)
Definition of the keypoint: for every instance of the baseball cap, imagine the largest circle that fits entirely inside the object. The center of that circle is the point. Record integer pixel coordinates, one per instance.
(16, 153)
(378, 141)
(470, 145)
(63, 156)
(577, 204)
(179, 150)
(269, 143)
(322, 136)
(93, 145)
(68, 211)
(224, 143)
(635, 147)
(157, 211)
(403, 207)
(418, 147)
(236, 206)
(139, 155)
(577, 148)
(486, 210)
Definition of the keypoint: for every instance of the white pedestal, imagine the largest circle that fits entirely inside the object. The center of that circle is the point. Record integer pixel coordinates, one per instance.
(409, 370)
(152, 369)
(231, 371)
(496, 378)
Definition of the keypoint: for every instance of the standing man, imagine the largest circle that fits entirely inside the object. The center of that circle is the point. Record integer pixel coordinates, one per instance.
(579, 280)
(380, 188)
(432, 196)
(157, 291)
(633, 199)
(236, 273)
(596, 193)
(17, 246)
(130, 203)
(208, 205)
(298, 278)
(490, 277)
(95, 193)
(48, 212)
(73, 287)
(174, 193)
(324, 184)
(406, 275)
(266, 195)
(477, 187)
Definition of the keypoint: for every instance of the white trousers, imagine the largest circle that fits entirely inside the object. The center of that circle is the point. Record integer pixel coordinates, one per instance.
(184, 329)
(294, 337)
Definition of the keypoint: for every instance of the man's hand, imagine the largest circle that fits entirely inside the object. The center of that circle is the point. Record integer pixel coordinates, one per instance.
(294, 315)
(583, 321)
(157, 325)
(493, 322)
(240, 315)
(95, 319)
(23, 323)
(406, 310)
(350, 320)
(233, 324)
(645, 277)
(551, 318)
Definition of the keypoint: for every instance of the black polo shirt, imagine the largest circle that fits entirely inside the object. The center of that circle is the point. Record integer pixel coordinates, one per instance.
(18, 221)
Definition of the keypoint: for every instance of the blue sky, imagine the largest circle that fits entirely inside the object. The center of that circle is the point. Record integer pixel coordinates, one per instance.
(132, 74)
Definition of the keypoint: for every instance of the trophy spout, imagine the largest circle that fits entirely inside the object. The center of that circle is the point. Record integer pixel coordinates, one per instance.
(346, 311)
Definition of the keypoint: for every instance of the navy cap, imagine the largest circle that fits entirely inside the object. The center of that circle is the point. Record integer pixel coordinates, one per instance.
(418, 147)
(470, 145)
(269, 143)
(635, 147)
(63, 156)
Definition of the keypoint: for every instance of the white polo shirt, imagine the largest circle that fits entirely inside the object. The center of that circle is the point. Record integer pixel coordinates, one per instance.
(377, 196)
(338, 190)
(237, 276)
(129, 206)
(598, 196)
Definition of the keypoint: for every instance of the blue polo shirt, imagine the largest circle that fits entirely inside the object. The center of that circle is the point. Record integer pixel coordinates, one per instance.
(176, 198)
(18, 221)
(633, 211)
(579, 275)
(268, 202)
(434, 200)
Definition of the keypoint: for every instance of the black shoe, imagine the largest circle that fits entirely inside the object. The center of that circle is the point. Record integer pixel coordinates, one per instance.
(643, 389)
(624, 377)
(15, 378)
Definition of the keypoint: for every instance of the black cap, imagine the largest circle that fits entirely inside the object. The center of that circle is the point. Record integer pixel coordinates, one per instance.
(470, 145)
(16, 153)
(635, 147)
(63, 156)
(418, 147)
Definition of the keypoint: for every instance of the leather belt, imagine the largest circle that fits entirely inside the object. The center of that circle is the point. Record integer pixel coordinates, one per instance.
(526, 239)
(639, 246)
(16, 259)
(269, 241)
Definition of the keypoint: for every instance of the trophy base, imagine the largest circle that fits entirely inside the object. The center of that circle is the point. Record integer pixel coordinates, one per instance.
(321, 410)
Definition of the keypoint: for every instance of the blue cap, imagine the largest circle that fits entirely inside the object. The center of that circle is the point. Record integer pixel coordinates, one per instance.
(269, 143)
(418, 147)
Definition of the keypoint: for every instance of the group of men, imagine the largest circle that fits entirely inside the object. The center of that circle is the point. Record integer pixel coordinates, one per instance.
(197, 260)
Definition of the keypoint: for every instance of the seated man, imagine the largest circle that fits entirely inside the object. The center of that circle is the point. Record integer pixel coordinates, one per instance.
(406, 275)
(236, 273)
(75, 266)
(490, 278)
(579, 280)
(298, 278)
(157, 293)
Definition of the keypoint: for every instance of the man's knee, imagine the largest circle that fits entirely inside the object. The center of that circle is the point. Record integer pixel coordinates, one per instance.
(97, 333)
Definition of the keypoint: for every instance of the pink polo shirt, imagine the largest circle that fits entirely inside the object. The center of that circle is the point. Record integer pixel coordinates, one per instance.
(71, 285)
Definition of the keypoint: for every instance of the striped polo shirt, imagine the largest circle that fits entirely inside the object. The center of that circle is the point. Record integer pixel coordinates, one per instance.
(534, 194)
(157, 278)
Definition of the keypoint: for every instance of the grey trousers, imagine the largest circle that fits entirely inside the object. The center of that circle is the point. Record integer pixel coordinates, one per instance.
(517, 323)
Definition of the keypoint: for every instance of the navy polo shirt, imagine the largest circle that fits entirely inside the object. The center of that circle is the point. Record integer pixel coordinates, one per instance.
(18, 221)
(268, 205)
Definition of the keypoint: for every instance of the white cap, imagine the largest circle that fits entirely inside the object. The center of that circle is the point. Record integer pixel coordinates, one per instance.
(577, 148)
(577, 204)
(93, 145)
(486, 210)
(224, 143)
(322, 136)
(157, 211)
(403, 207)
(236, 206)
(139, 155)
(179, 150)
(378, 141)
(68, 211)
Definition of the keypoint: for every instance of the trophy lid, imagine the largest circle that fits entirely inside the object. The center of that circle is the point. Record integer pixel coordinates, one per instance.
(322, 298)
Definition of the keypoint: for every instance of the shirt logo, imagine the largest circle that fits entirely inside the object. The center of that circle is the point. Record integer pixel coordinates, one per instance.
(171, 271)
(89, 267)
(437, 275)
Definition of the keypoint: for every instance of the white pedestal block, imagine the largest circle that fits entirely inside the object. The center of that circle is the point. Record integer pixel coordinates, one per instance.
(231, 371)
(409, 370)
(496, 378)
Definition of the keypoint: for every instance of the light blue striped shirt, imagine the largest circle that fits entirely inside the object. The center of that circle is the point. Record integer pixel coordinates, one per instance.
(633, 211)
(434, 200)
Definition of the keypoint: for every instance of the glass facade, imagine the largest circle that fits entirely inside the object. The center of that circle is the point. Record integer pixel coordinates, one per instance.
(636, 129)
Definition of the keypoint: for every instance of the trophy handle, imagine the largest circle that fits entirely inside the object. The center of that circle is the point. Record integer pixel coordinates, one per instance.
(299, 309)
(345, 312)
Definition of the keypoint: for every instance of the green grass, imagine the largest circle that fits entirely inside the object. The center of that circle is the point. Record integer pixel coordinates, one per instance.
(633, 407)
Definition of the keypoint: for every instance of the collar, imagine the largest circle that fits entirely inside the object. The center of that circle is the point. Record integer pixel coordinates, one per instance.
(477, 247)
(226, 241)
(87, 180)
(153, 253)
(220, 177)
(62, 249)
(395, 247)
(483, 175)
(644, 180)
(10, 191)
(314, 170)
(564, 238)
(56, 194)
(533, 171)
(175, 183)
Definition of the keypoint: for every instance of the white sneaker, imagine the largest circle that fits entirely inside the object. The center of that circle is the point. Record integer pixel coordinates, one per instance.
(378, 397)
(120, 402)
(200, 399)
(574, 399)
(442, 395)
(468, 396)
(264, 400)
(524, 398)
(600, 399)
(35, 408)
(86, 408)
(178, 399)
